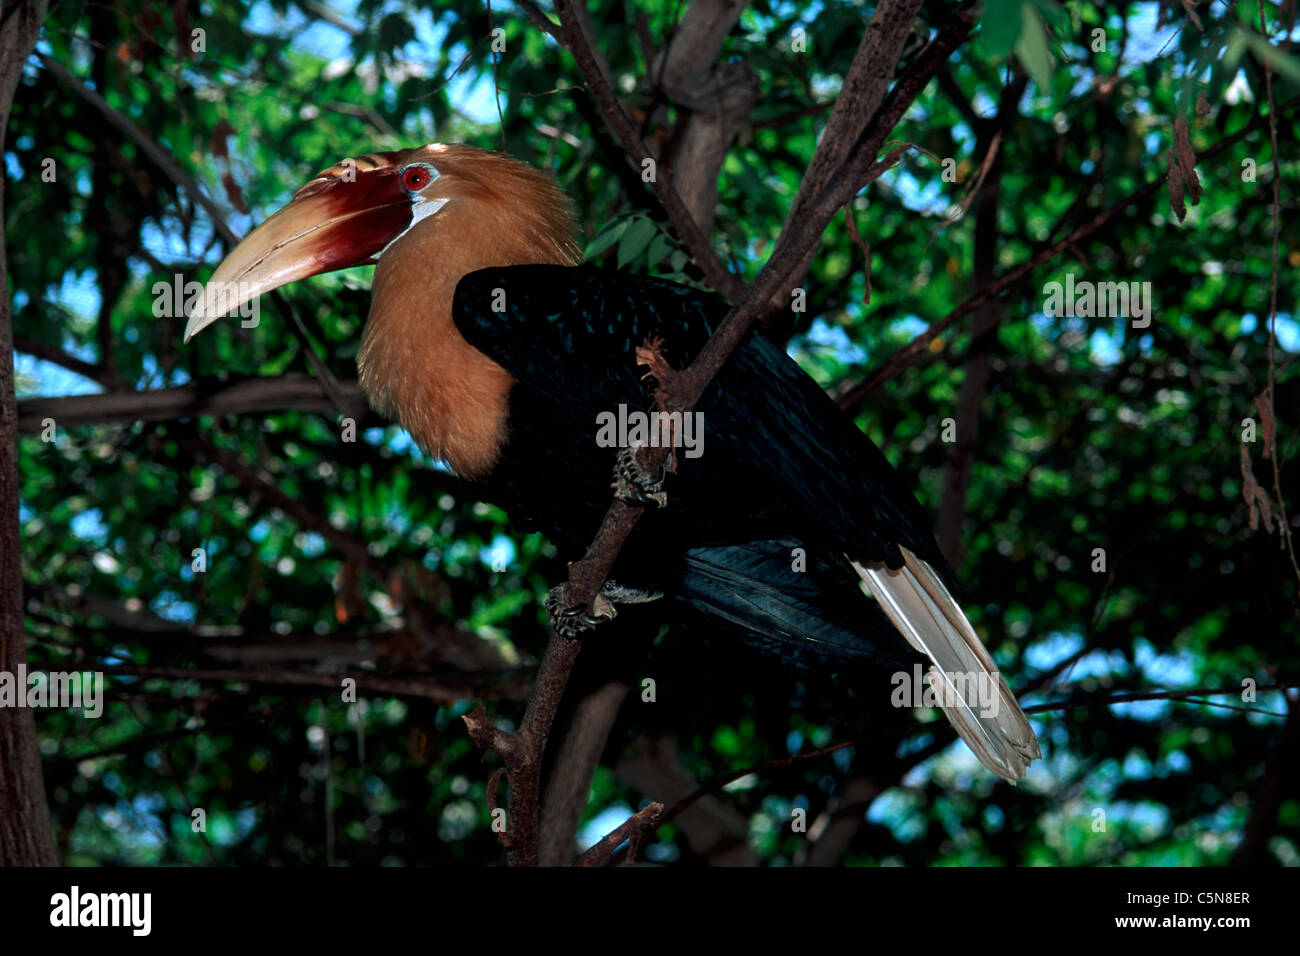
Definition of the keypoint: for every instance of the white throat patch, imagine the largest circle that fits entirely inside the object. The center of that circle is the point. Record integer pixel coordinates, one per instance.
(422, 208)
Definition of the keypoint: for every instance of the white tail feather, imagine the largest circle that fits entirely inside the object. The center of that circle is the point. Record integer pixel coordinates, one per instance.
(919, 605)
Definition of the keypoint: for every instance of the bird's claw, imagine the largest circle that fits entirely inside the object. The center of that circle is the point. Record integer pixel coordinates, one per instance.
(574, 620)
(636, 485)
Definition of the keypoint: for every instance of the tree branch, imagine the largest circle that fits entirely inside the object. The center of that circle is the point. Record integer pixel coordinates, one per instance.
(634, 829)
(853, 167)
(535, 14)
(443, 689)
(244, 396)
(568, 786)
(943, 736)
(574, 39)
(987, 195)
(48, 353)
(714, 830)
(716, 97)
(522, 750)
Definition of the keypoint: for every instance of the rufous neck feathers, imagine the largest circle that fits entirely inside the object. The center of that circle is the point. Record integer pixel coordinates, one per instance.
(414, 365)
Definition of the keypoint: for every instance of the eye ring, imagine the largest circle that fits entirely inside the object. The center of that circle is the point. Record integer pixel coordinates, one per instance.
(415, 178)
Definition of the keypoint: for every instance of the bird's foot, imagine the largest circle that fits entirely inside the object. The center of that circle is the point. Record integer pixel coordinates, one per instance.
(635, 484)
(575, 620)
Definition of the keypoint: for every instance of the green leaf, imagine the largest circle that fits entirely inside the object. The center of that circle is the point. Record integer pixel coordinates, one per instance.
(635, 240)
(1000, 26)
(659, 248)
(1032, 50)
(1286, 66)
(1053, 14)
(1236, 48)
(610, 234)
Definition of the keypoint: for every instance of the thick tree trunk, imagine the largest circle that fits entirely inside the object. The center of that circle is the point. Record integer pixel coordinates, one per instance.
(26, 838)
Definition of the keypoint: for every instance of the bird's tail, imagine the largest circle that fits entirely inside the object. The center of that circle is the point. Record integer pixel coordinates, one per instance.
(915, 599)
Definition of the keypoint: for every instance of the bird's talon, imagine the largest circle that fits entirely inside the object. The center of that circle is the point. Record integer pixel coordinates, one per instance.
(636, 485)
(574, 620)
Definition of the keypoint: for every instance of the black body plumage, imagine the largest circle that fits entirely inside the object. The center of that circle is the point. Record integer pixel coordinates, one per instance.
(782, 468)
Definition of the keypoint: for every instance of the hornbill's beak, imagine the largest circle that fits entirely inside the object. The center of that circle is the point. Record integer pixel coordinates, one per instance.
(335, 221)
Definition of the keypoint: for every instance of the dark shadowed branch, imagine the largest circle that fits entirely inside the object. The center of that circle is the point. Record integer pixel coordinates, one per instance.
(440, 689)
(102, 373)
(715, 831)
(577, 752)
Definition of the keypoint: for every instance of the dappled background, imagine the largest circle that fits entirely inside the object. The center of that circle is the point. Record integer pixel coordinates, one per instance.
(1116, 522)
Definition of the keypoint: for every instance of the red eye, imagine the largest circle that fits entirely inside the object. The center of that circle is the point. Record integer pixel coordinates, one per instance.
(415, 178)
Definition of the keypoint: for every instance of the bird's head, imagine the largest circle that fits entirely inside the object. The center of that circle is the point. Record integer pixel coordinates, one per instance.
(467, 206)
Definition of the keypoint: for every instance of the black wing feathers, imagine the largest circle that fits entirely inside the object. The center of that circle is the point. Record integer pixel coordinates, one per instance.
(571, 335)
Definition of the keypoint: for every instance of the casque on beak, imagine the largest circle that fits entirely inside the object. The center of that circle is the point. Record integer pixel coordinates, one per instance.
(332, 223)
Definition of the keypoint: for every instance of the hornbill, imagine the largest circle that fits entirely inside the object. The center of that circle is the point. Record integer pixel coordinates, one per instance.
(498, 352)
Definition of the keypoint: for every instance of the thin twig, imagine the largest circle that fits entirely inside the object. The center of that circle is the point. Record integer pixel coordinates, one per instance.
(49, 353)
(156, 153)
(633, 830)
(496, 76)
(535, 14)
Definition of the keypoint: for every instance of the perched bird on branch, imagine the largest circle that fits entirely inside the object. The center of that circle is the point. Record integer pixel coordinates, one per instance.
(780, 523)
